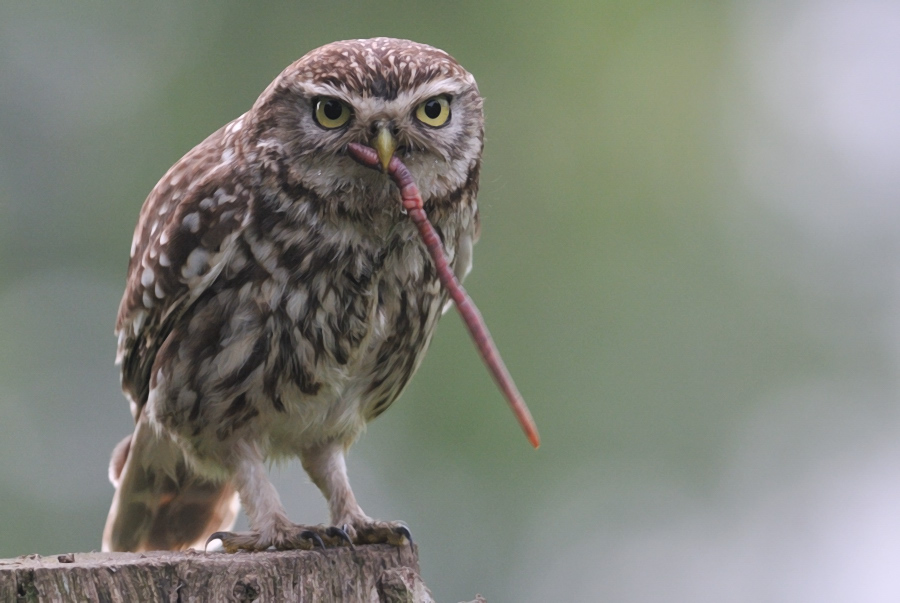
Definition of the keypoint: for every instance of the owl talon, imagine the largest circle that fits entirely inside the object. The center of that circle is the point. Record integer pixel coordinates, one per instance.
(215, 536)
(404, 531)
(340, 534)
(311, 535)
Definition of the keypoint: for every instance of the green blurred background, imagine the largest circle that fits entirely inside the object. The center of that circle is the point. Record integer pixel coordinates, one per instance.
(689, 259)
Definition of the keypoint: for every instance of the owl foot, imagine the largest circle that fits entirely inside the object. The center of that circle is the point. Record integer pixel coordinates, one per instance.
(381, 532)
(296, 537)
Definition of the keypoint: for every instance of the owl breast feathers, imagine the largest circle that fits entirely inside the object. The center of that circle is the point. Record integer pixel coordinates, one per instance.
(278, 298)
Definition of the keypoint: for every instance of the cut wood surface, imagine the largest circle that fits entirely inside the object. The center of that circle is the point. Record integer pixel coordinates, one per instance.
(373, 573)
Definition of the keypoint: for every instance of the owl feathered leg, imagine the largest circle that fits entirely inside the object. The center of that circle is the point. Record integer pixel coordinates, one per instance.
(268, 519)
(327, 467)
(160, 503)
(271, 528)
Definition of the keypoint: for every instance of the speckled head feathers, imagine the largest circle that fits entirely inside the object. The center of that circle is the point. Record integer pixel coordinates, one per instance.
(382, 81)
(379, 67)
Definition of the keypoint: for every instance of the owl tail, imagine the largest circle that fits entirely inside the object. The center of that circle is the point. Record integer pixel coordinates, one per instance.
(160, 503)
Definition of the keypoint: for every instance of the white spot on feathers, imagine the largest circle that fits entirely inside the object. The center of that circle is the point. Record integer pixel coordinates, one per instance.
(329, 302)
(196, 263)
(147, 276)
(272, 291)
(137, 322)
(296, 303)
(222, 197)
(191, 221)
(234, 355)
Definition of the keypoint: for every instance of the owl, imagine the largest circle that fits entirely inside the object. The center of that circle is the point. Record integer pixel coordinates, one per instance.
(278, 299)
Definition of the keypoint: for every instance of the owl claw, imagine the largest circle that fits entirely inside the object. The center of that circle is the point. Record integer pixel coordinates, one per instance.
(404, 531)
(215, 536)
(340, 533)
(311, 535)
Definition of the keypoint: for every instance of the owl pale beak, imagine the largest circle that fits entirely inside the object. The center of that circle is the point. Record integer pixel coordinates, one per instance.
(385, 145)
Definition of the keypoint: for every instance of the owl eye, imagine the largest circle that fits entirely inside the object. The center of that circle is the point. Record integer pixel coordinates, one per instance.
(332, 113)
(435, 111)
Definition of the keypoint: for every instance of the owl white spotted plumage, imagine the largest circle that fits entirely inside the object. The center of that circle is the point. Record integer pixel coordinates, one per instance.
(278, 299)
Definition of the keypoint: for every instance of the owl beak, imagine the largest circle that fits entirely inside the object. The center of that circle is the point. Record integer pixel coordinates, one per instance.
(385, 145)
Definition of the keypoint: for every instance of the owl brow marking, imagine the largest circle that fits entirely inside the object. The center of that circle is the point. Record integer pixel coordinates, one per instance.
(412, 203)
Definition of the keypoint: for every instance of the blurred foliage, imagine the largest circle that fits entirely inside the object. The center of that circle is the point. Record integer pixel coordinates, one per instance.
(689, 260)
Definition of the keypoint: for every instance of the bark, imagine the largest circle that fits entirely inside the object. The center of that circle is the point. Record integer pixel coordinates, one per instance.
(373, 574)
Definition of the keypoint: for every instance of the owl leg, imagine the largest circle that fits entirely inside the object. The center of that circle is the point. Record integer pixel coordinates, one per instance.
(268, 519)
(327, 468)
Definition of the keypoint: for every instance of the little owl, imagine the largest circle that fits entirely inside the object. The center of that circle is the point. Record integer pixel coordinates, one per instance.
(278, 298)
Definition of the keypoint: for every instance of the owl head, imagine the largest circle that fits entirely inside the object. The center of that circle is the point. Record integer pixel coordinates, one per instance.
(399, 97)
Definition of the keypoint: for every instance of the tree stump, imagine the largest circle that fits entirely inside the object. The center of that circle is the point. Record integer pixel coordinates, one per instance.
(374, 574)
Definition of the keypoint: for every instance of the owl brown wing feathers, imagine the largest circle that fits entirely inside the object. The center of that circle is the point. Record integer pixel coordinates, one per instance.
(159, 503)
(184, 237)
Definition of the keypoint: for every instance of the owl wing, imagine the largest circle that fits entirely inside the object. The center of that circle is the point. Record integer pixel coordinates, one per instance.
(464, 247)
(186, 234)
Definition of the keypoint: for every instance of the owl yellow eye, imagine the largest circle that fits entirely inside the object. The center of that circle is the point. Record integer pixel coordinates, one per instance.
(435, 111)
(332, 113)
